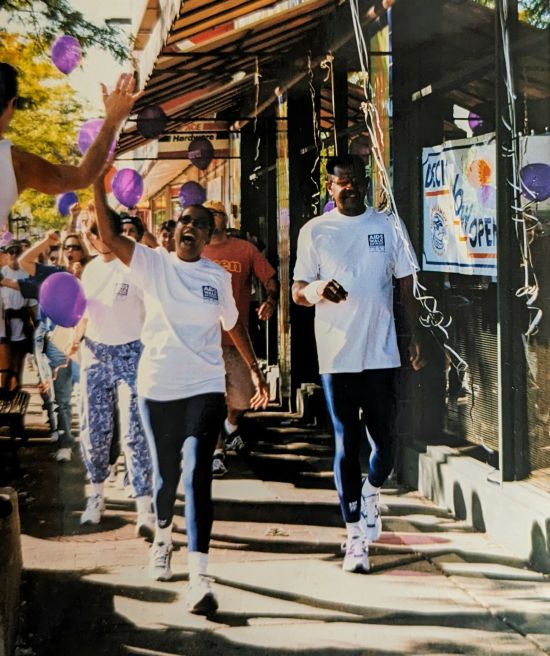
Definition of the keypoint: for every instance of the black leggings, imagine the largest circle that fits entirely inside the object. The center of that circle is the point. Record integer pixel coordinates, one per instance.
(182, 435)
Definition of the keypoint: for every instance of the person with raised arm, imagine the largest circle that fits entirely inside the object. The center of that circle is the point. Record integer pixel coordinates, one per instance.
(20, 169)
(181, 378)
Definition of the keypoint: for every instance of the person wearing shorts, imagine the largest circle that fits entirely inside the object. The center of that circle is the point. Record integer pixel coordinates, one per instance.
(244, 262)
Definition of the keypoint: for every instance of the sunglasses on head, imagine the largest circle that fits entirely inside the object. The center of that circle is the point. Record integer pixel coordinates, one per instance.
(201, 223)
(73, 247)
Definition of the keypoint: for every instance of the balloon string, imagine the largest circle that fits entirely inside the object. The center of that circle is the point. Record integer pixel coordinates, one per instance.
(327, 65)
(431, 317)
(521, 215)
(317, 195)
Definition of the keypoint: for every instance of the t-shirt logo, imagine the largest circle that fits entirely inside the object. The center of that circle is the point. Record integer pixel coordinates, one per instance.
(233, 266)
(122, 289)
(209, 294)
(377, 243)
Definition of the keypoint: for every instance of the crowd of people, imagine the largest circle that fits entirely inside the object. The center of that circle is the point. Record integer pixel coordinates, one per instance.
(162, 358)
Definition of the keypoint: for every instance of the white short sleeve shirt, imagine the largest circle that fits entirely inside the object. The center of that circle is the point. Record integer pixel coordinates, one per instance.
(186, 305)
(115, 310)
(363, 253)
(12, 299)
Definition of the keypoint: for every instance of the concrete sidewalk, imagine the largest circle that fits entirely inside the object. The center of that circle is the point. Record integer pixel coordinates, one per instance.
(436, 586)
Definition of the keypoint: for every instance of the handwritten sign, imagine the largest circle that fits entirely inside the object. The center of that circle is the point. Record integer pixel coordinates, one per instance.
(459, 195)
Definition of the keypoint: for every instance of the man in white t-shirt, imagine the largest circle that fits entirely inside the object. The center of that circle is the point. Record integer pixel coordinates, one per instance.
(346, 262)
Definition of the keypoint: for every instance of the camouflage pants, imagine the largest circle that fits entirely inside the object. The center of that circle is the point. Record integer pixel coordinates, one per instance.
(108, 385)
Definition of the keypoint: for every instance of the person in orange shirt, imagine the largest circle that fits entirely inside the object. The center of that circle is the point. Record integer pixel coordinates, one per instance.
(243, 261)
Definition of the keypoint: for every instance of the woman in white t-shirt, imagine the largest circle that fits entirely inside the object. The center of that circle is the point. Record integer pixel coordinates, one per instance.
(109, 360)
(181, 378)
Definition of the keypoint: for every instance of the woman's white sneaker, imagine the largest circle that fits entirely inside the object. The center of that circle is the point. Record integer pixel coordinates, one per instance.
(159, 561)
(200, 598)
(95, 507)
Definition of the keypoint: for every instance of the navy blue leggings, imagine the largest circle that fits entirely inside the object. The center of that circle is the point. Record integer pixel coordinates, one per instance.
(372, 392)
(182, 435)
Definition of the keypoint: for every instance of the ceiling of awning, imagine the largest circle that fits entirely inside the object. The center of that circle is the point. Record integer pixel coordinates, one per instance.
(212, 45)
(207, 66)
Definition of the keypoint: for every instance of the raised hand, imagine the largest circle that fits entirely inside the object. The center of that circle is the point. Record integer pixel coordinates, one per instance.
(120, 101)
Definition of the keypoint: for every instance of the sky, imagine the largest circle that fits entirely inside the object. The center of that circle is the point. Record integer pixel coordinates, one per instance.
(98, 65)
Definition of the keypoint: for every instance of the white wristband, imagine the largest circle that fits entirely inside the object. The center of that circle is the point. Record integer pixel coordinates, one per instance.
(313, 291)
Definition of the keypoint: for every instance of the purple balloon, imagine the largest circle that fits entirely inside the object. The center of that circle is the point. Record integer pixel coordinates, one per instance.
(151, 122)
(191, 193)
(127, 187)
(474, 121)
(88, 133)
(329, 205)
(201, 152)
(487, 196)
(535, 181)
(66, 53)
(64, 201)
(62, 298)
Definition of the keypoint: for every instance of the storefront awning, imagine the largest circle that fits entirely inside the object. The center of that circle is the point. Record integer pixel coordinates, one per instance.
(213, 49)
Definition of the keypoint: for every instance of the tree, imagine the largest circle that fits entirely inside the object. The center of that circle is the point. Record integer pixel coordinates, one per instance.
(534, 12)
(46, 19)
(46, 122)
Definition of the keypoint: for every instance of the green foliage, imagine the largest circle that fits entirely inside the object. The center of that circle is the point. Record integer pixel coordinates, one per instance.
(48, 122)
(44, 20)
(534, 12)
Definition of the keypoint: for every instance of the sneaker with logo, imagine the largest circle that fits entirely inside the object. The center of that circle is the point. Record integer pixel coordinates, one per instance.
(356, 557)
(200, 599)
(159, 561)
(95, 506)
(371, 520)
(218, 466)
(235, 442)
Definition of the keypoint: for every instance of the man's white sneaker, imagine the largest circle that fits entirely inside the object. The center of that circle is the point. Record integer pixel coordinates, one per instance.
(63, 455)
(95, 507)
(145, 527)
(357, 556)
(200, 599)
(218, 466)
(159, 561)
(235, 442)
(371, 520)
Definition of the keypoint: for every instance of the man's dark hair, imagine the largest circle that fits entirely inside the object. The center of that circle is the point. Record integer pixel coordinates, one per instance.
(136, 222)
(115, 220)
(8, 84)
(351, 161)
(169, 225)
